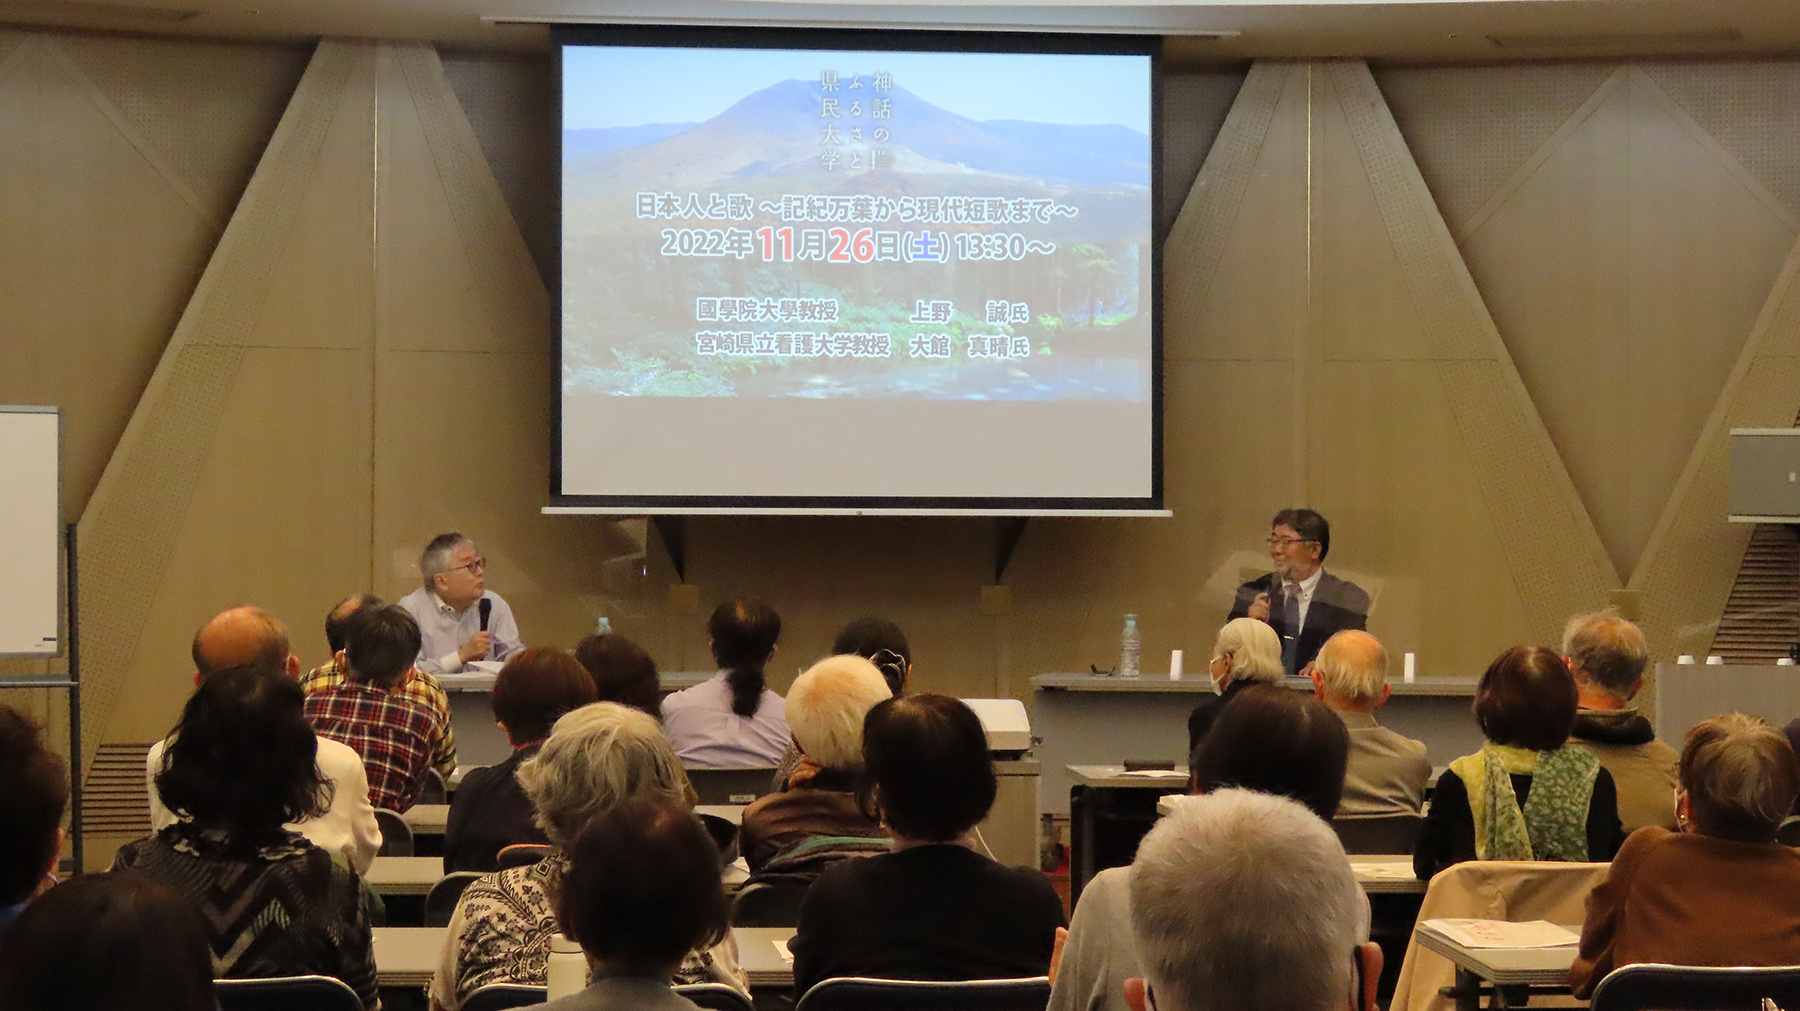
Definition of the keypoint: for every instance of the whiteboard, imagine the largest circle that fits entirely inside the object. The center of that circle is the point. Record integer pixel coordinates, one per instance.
(31, 531)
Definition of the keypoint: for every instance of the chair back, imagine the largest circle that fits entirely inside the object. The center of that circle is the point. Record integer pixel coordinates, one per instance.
(286, 993)
(724, 835)
(1789, 832)
(435, 791)
(715, 997)
(730, 786)
(521, 854)
(1380, 833)
(440, 902)
(501, 996)
(1489, 890)
(396, 835)
(769, 901)
(1697, 988)
(855, 993)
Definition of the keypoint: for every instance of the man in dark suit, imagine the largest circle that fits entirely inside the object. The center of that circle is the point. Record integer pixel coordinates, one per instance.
(1305, 604)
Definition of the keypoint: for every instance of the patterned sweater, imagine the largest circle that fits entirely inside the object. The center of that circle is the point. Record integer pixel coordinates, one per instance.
(277, 909)
(500, 933)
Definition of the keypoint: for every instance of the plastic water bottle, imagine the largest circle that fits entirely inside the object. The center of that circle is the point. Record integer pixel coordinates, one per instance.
(568, 968)
(1129, 645)
(603, 626)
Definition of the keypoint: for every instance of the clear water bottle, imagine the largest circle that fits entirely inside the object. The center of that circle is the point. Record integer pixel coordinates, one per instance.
(603, 626)
(1130, 643)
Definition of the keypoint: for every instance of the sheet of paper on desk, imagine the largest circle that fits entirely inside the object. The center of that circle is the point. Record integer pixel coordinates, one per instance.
(1504, 933)
(1396, 868)
(1180, 774)
(781, 949)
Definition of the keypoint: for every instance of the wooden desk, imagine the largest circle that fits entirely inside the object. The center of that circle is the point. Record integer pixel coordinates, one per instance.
(1511, 971)
(407, 956)
(427, 819)
(404, 875)
(761, 959)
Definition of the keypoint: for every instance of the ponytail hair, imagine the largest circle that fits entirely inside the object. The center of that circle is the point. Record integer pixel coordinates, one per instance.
(744, 633)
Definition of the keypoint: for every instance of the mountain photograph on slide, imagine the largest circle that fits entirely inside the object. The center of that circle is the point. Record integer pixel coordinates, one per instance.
(825, 224)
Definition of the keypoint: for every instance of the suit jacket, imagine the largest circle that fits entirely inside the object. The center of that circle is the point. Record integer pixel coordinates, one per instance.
(1337, 604)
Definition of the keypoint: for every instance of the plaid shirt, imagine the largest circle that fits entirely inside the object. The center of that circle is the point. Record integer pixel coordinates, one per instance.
(418, 686)
(390, 730)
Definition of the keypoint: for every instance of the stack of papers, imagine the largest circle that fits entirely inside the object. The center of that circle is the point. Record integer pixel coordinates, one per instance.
(781, 948)
(1504, 933)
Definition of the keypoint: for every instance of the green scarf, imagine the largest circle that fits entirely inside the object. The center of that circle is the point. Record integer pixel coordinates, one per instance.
(1553, 823)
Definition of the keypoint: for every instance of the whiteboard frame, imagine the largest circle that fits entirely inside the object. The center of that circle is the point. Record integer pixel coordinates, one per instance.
(62, 545)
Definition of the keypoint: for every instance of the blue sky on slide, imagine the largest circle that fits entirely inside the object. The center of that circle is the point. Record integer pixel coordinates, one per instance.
(614, 86)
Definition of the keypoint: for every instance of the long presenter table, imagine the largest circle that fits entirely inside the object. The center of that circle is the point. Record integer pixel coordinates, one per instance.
(1085, 720)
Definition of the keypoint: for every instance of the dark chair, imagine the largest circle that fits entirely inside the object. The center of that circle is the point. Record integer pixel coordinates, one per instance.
(730, 786)
(1381, 833)
(286, 993)
(435, 791)
(520, 854)
(715, 997)
(855, 993)
(1696, 988)
(396, 835)
(772, 901)
(500, 996)
(440, 902)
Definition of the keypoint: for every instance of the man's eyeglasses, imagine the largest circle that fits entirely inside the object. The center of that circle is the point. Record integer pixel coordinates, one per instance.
(1284, 542)
(475, 567)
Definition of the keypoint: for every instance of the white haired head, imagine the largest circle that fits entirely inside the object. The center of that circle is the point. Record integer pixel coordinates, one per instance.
(826, 706)
(1243, 901)
(1254, 648)
(595, 757)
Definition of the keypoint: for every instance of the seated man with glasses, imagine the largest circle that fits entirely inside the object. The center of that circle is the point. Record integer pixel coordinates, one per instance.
(1305, 604)
(453, 627)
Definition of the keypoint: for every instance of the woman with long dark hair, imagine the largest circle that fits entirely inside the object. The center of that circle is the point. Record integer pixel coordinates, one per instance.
(732, 721)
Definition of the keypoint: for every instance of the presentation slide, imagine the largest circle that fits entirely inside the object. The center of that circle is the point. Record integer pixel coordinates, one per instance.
(829, 275)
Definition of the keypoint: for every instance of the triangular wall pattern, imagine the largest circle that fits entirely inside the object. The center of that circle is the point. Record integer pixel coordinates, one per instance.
(1624, 262)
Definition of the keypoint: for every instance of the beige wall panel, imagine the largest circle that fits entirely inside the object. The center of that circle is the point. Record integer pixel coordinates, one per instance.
(1751, 107)
(207, 108)
(510, 102)
(1471, 127)
(278, 517)
(1623, 271)
(132, 524)
(1194, 106)
(1392, 469)
(1235, 274)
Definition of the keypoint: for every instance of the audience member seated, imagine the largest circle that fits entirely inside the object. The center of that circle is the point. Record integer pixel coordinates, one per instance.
(250, 635)
(732, 721)
(1247, 651)
(1527, 794)
(935, 908)
(642, 890)
(1607, 656)
(1219, 932)
(1270, 740)
(876, 640)
(817, 821)
(1388, 772)
(622, 671)
(415, 684)
(490, 810)
(1721, 890)
(107, 942)
(595, 758)
(396, 735)
(34, 790)
(241, 765)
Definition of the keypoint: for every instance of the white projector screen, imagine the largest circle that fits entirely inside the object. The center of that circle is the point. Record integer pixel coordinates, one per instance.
(826, 270)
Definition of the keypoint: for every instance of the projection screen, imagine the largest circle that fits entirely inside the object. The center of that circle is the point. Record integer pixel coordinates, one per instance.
(887, 271)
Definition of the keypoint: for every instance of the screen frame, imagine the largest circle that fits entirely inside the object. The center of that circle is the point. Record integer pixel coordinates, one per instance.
(919, 40)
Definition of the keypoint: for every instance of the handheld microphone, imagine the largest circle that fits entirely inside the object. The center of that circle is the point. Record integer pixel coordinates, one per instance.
(486, 607)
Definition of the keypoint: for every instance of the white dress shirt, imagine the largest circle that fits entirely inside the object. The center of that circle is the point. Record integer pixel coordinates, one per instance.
(706, 734)
(347, 830)
(443, 630)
